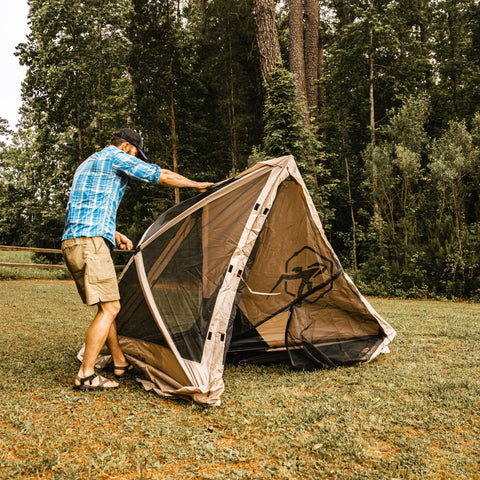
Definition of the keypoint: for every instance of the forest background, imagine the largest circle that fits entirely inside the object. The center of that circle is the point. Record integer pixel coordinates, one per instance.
(378, 101)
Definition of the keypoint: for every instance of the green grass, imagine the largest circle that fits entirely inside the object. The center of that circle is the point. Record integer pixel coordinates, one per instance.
(412, 414)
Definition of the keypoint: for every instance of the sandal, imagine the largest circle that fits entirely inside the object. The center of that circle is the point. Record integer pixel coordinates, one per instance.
(101, 385)
(126, 370)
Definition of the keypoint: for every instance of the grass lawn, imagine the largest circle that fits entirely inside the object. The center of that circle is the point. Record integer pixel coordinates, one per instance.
(412, 414)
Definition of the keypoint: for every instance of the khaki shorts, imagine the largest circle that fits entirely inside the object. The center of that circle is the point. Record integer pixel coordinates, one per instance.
(91, 266)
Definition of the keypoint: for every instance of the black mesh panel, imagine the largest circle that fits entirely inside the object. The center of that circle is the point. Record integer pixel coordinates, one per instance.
(173, 264)
(306, 350)
(135, 319)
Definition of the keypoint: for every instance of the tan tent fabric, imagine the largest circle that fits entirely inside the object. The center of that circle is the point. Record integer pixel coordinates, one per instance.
(244, 273)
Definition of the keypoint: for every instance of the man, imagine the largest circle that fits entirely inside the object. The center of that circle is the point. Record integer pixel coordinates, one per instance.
(89, 236)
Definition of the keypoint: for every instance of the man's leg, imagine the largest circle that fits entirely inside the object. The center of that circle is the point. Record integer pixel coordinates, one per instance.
(97, 334)
(118, 358)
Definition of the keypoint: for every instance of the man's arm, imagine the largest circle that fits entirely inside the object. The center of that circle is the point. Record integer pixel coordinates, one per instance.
(172, 179)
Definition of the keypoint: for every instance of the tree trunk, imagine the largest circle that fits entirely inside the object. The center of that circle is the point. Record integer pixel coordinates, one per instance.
(457, 218)
(267, 37)
(422, 24)
(80, 136)
(77, 105)
(98, 111)
(405, 221)
(312, 25)
(454, 54)
(372, 92)
(321, 72)
(295, 42)
(377, 214)
(173, 130)
(203, 9)
(174, 142)
(231, 111)
(352, 216)
(98, 102)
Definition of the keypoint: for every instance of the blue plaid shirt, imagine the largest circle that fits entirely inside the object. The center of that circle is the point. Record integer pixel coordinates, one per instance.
(98, 186)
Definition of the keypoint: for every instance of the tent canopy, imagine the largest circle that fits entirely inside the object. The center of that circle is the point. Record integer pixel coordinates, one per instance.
(245, 273)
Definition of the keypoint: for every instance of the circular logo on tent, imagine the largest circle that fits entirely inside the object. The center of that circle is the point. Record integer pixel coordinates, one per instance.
(308, 275)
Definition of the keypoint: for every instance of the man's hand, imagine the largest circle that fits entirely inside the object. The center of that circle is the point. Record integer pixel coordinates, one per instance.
(203, 186)
(123, 242)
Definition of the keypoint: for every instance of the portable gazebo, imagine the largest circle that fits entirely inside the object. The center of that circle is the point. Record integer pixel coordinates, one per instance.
(243, 272)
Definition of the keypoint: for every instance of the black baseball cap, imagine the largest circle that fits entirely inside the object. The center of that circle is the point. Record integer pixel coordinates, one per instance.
(134, 138)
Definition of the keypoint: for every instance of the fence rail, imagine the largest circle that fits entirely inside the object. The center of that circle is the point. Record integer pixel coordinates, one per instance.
(55, 251)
